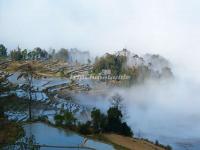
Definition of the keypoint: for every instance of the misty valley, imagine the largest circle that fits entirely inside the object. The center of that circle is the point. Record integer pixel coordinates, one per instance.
(67, 99)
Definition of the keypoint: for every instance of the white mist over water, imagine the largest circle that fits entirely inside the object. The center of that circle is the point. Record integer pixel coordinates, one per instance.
(166, 110)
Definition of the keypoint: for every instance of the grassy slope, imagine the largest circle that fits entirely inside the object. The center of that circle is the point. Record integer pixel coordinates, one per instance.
(125, 143)
(10, 132)
(131, 143)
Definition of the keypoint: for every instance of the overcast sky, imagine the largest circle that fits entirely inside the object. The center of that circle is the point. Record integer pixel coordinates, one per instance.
(167, 27)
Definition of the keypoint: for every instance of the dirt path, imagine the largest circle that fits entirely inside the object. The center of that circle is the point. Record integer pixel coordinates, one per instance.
(130, 143)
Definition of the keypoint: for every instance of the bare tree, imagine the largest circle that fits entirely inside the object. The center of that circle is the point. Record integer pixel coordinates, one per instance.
(116, 101)
(28, 72)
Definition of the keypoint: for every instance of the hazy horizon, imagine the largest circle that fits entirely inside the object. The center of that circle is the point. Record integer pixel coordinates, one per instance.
(169, 28)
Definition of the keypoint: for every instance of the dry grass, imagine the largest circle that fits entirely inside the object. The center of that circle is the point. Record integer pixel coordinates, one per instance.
(9, 132)
(40, 67)
(12, 67)
(131, 143)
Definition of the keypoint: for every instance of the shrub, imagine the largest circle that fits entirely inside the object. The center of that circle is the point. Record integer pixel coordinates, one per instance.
(115, 124)
(126, 130)
(69, 118)
(85, 128)
(59, 119)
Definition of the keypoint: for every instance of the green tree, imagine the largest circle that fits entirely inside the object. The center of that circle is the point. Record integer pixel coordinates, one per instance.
(115, 123)
(114, 119)
(16, 55)
(59, 119)
(126, 130)
(96, 119)
(38, 52)
(3, 51)
(113, 62)
(24, 54)
(62, 54)
(69, 118)
(85, 128)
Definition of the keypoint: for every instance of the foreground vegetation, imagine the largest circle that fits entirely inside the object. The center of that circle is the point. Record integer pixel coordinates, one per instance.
(99, 123)
(9, 131)
(108, 128)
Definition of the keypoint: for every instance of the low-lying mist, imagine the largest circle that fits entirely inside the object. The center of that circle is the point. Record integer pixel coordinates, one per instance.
(163, 109)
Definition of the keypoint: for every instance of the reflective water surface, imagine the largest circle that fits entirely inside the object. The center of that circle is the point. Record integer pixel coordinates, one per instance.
(45, 134)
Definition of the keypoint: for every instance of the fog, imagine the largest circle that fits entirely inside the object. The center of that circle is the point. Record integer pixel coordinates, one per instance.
(166, 110)
(169, 28)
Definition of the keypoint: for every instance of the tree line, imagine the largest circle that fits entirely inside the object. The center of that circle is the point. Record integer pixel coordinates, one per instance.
(3, 51)
(113, 62)
(111, 122)
(37, 53)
